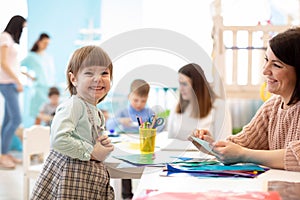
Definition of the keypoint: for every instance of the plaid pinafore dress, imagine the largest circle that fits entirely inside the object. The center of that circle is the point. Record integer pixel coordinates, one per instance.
(63, 177)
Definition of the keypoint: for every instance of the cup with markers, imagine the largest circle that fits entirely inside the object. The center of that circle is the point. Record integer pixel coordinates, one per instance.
(147, 132)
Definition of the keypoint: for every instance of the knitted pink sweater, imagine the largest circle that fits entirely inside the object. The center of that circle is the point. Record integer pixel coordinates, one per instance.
(274, 128)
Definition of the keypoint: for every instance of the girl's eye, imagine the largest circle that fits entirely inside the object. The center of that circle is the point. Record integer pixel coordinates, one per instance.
(105, 73)
(88, 73)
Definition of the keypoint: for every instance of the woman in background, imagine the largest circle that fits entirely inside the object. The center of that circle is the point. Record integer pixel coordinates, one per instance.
(198, 106)
(34, 62)
(10, 86)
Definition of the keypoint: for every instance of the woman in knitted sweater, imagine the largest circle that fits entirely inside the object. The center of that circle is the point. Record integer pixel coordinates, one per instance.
(272, 138)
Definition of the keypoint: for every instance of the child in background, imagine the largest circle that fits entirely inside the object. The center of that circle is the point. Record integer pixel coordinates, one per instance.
(75, 169)
(47, 111)
(126, 120)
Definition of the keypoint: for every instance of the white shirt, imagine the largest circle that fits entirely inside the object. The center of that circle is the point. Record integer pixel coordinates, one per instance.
(12, 58)
(218, 122)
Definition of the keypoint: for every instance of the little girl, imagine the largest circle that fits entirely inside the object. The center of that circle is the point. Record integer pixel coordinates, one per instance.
(74, 168)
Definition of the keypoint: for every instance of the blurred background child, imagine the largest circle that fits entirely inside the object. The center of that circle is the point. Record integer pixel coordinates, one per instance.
(126, 119)
(47, 110)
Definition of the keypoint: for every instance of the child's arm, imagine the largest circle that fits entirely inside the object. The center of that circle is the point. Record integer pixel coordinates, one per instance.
(114, 122)
(71, 131)
(44, 117)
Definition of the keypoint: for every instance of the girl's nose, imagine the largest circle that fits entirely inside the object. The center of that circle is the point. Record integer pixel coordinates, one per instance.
(97, 78)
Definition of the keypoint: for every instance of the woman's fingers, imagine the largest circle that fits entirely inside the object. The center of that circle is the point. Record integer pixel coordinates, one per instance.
(220, 144)
(200, 133)
(208, 138)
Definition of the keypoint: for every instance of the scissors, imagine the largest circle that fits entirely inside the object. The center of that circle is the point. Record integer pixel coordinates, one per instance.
(155, 122)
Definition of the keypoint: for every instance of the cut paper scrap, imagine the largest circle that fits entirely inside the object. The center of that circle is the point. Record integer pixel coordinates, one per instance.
(195, 164)
(150, 159)
(207, 146)
(162, 158)
(138, 159)
(182, 158)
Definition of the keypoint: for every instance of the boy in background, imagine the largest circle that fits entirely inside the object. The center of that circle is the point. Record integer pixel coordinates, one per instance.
(47, 110)
(126, 119)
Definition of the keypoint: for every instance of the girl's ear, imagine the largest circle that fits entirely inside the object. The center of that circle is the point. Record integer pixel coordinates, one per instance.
(72, 79)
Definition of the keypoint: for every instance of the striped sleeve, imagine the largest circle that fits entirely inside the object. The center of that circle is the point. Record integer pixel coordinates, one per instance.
(255, 134)
(292, 156)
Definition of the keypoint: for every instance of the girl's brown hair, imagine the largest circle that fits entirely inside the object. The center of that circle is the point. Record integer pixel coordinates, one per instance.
(85, 57)
(202, 91)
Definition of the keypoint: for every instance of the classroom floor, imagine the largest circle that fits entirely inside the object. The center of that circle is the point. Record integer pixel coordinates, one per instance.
(11, 183)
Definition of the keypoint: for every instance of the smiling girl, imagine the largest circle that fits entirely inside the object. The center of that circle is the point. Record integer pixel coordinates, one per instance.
(74, 168)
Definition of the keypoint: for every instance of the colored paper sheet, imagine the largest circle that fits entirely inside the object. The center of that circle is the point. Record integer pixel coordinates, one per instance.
(207, 146)
(215, 195)
(219, 170)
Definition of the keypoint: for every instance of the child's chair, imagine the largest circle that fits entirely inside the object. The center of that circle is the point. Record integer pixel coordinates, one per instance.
(36, 140)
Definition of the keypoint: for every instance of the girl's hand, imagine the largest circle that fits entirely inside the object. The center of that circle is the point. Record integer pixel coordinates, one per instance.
(105, 140)
(100, 152)
(228, 152)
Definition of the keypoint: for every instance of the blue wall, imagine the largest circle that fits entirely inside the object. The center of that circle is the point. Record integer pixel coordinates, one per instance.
(62, 20)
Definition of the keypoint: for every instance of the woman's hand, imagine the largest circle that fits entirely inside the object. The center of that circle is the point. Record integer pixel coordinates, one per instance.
(228, 152)
(203, 135)
(19, 87)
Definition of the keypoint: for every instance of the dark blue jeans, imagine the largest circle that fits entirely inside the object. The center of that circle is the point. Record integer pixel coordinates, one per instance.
(12, 115)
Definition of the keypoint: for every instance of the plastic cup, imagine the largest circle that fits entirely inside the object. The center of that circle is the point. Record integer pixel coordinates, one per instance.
(147, 140)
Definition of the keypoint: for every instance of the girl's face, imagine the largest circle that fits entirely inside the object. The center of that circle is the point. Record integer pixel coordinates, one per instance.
(281, 78)
(185, 87)
(92, 83)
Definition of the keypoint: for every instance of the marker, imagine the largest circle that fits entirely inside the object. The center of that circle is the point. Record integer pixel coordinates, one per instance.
(138, 120)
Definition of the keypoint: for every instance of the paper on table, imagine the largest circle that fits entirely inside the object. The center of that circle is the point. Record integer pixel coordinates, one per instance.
(207, 146)
(219, 170)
